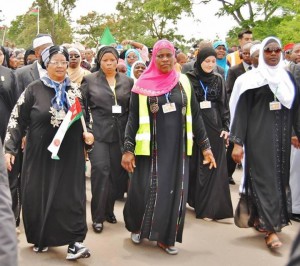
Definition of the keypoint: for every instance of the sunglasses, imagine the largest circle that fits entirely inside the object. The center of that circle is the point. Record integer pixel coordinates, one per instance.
(270, 51)
(74, 55)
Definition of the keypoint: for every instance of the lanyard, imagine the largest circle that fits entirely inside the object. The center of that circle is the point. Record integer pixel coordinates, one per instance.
(205, 89)
(167, 96)
(275, 93)
(113, 88)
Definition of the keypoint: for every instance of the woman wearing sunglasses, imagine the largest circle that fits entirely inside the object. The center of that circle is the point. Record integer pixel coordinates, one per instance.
(265, 106)
(75, 71)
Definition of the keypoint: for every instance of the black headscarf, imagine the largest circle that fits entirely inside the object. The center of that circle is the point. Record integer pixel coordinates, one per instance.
(48, 52)
(202, 55)
(28, 52)
(6, 56)
(104, 50)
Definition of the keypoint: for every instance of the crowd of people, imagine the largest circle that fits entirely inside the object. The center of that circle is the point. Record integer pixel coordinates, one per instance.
(161, 129)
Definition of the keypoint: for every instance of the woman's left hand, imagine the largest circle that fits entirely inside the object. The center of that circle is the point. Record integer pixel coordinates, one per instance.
(209, 159)
(225, 136)
(88, 138)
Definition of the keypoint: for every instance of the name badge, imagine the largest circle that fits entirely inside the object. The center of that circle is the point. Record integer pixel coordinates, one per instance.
(169, 107)
(116, 109)
(205, 104)
(275, 106)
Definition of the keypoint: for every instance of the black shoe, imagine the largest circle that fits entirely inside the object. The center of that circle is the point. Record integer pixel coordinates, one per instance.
(76, 251)
(111, 219)
(231, 181)
(295, 217)
(97, 227)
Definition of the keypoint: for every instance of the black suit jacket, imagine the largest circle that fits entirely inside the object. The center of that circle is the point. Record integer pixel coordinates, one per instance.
(25, 75)
(107, 127)
(233, 73)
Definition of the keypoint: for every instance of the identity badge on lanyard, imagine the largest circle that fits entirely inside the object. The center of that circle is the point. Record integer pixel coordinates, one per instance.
(168, 107)
(116, 109)
(275, 105)
(205, 104)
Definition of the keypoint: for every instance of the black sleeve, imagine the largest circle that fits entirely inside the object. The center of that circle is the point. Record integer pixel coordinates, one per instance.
(238, 128)
(132, 123)
(224, 107)
(231, 77)
(18, 122)
(85, 105)
(296, 113)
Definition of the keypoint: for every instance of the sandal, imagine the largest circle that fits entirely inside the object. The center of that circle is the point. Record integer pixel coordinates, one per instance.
(258, 229)
(272, 241)
(170, 250)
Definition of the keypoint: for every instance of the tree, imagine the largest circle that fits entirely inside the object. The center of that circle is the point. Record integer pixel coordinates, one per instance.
(264, 17)
(91, 26)
(54, 20)
(149, 20)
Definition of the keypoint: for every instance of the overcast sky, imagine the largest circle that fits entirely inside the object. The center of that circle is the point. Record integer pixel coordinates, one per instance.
(209, 27)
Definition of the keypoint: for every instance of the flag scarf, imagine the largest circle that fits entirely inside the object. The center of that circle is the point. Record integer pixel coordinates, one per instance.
(107, 38)
(73, 115)
(34, 11)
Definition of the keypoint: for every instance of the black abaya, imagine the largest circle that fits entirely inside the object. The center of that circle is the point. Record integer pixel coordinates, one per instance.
(155, 205)
(266, 136)
(53, 191)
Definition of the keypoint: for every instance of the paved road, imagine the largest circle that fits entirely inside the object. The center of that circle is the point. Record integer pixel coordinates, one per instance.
(204, 243)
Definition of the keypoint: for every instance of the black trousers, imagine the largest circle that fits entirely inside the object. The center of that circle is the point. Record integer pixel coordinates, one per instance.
(231, 165)
(107, 176)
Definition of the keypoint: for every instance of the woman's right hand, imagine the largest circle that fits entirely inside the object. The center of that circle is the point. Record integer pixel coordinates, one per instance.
(128, 162)
(237, 153)
(9, 160)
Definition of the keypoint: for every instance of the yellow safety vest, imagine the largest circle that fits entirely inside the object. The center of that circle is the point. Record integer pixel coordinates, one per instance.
(143, 135)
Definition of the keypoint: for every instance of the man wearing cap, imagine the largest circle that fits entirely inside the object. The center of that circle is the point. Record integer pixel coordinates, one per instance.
(287, 49)
(24, 76)
(27, 74)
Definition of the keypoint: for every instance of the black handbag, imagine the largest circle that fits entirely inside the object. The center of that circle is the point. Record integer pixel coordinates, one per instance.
(242, 215)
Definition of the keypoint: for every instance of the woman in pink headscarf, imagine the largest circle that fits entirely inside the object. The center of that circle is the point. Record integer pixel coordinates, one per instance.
(163, 117)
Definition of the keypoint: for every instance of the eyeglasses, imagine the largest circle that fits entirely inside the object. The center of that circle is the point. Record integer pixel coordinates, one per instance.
(74, 55)
(271, 50)
(132, 57)
(59, 63)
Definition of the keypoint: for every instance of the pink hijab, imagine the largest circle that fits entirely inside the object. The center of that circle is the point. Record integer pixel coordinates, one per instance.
(153, 82)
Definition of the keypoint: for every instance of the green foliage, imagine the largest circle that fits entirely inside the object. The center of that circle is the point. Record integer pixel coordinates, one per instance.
(147, 21)
(91, 27)
(54, 20)
(265, 17)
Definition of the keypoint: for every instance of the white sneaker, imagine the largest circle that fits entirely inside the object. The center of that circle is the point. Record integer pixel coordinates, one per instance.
(76, 251)
(135, 238)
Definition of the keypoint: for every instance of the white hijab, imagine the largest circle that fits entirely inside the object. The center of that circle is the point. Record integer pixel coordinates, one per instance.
(276, 77)
(132, 69)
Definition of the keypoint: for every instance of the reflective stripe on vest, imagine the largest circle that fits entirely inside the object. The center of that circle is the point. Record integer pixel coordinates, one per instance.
(143, 135)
